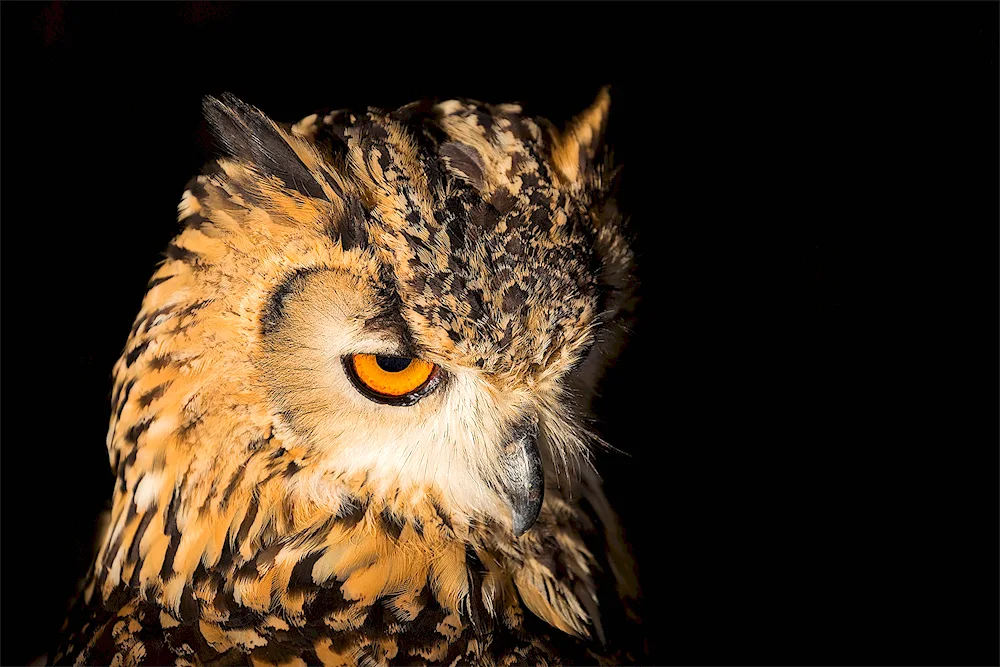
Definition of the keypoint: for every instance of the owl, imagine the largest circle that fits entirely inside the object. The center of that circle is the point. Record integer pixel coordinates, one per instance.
(351, 424)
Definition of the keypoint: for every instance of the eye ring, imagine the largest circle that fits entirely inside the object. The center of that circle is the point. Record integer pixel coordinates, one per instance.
(389, 365)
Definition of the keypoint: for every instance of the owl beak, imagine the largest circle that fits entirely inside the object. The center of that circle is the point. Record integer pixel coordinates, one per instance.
(525, 477)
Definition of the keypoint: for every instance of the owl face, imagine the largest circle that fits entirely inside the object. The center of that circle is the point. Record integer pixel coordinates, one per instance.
(412, 303)
(374, 400)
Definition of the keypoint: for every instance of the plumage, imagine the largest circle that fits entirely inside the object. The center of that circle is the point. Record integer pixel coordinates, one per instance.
(269, 509)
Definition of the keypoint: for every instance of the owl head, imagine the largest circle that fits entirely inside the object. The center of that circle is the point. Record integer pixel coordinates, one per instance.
(409, 306)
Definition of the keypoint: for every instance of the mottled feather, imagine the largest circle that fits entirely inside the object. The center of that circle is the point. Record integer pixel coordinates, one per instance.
(264, 512)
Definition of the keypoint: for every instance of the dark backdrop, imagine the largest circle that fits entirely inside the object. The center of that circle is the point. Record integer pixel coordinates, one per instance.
(809, 399)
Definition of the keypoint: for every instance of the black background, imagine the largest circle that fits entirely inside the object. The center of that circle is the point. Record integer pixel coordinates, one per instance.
(809, 399)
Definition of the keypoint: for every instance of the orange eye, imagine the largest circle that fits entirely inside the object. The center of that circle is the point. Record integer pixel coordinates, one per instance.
(392, 380)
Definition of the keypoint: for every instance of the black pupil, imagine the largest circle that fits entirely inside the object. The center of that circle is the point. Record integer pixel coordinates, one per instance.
(392, 364)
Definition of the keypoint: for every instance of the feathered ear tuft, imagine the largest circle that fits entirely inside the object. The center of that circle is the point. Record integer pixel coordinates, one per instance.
(464, 161)
(575, 147)
(246, 134)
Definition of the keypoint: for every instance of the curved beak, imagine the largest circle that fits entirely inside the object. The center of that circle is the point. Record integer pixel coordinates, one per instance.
(525, 476)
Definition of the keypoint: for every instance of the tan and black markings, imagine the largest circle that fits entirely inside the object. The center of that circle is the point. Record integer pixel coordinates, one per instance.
(267, 512)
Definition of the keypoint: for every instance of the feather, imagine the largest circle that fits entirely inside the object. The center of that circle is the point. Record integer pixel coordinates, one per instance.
(266, 508)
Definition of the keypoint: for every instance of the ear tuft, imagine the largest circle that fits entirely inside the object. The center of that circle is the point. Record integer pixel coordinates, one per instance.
(246, 134)
(575, 146)
(465, 162)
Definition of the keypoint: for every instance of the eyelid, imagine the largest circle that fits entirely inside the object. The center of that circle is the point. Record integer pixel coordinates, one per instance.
(383, 347)
(383, 340)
